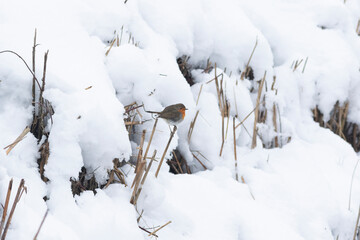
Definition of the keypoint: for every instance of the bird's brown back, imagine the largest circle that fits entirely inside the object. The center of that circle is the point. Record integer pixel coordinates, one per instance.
(172, 112)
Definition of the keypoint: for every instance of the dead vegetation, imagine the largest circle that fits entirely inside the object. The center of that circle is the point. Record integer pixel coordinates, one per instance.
(5, 218)
(42, 110)
(262, 115)
(9, 147)
(178, 164)
(223, 103)
(41, 224)
(41, 113)
(268, 116)
(339, 124)
(185, 69)
(132, 117)
(248, 71)
(117, 40)
(84, 182)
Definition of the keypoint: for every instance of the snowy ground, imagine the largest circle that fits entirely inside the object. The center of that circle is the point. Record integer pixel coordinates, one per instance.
(299, 191)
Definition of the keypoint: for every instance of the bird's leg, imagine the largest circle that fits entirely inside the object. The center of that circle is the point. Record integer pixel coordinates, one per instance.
(174, 129)
(170, 128)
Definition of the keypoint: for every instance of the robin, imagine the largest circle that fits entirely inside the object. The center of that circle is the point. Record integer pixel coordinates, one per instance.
(173, 114)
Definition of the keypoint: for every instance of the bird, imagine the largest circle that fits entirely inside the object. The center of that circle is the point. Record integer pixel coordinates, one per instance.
(172, 114)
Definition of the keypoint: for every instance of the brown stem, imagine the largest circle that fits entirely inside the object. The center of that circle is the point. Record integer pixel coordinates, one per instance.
(34, 80)
(6, 206)
(166, 148)
(16, 200)
(42, 222)
(235, 156)
(41, 100)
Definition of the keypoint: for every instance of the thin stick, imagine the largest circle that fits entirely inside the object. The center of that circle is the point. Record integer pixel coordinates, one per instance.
(6, 206)
(140, 169)
(221, 74)
(297, 64)
(236, 108)
(140, 216)
(202, 155)
(160, 228)
(130, 127)
(177, 161)
(247, 116)
(247, 64)
(166, 148)
(192, 125)
(352, 180)
(217, 88)
(227, 123)
(200, 162)
(16, 200)
(222, 133)
(172, 164)
(122, 29)
(33, 68)
(111, 179)
(42, 222)
(280, 126)
(275, 126)
(343, 117)
(17, 140)
(357, 224)
(151, 137)
(243, 181)
(41, 99)
(129, 105)
(144, 178)
(111, 45)
(27, 66)
(236, 164)
(133, 123)
(134, 108)
(187, 167)
(139, 158)
(137, 180)
(148, 231)
(253, 145)
(273, 84)
(305, 64)
(222, 104)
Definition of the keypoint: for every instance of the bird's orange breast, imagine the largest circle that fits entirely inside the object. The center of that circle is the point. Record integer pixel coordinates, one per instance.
(182, 111)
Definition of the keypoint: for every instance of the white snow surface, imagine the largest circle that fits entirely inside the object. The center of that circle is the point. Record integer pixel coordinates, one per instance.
(302, 190)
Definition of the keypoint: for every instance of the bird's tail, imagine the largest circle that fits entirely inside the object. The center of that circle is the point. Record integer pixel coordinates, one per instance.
(152, 112)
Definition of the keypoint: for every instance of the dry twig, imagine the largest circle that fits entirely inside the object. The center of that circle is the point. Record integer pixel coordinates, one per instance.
(166, 148)
(42, 222)
(356, 225)
(19, 193)
(160, 228)
(245, 72)
(5, 208)
(253, 145)
(235, 157)
(17, 140)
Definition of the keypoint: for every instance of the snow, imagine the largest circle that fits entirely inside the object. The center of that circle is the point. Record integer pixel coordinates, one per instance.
(301, 190)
